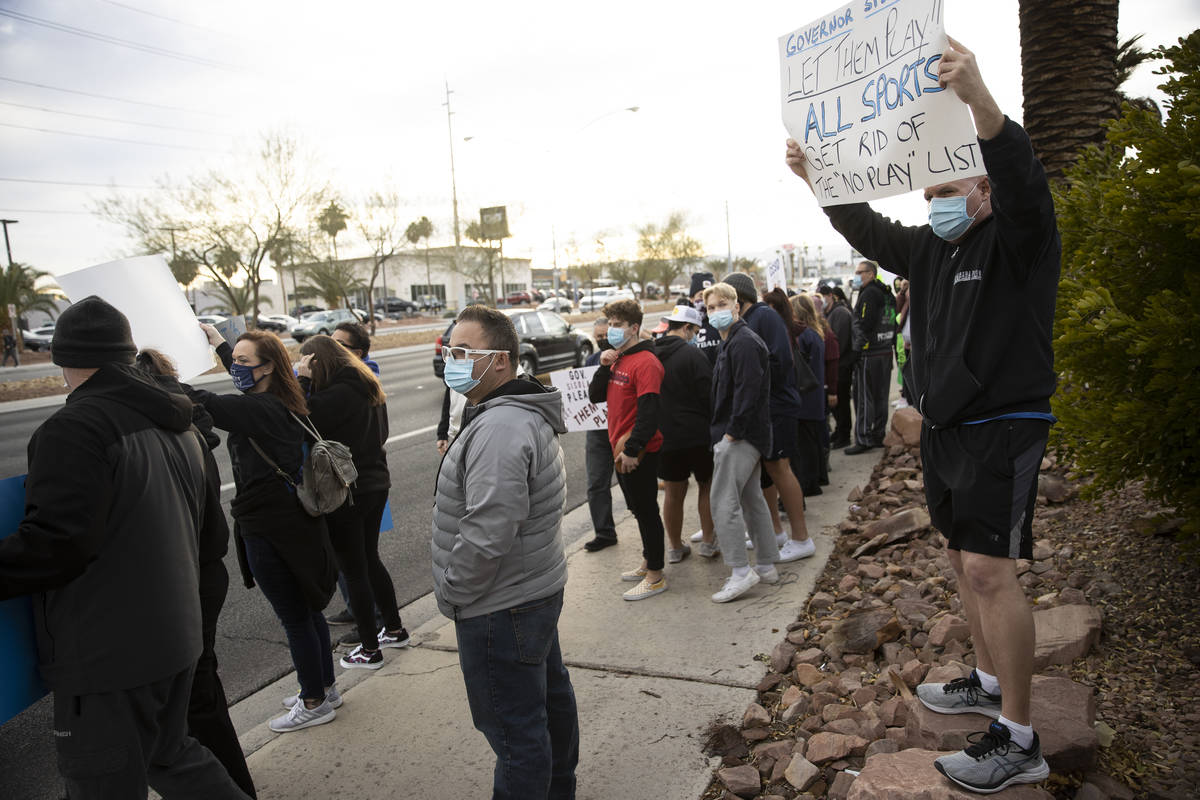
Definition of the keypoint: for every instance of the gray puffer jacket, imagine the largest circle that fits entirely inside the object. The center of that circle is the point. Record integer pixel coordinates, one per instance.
(498, 507)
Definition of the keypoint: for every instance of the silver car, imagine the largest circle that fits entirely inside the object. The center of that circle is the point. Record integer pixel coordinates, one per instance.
(321, 322)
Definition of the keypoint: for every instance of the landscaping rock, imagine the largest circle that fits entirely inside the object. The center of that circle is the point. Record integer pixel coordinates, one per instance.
(840, 788)
(743, 781)
(781, 657)
(755, 717)
(949, 629)
(900, 524)
(1065, 633)
(800, 772)
(825, 747)
(910, 774)
(864, 631)
(907, 423)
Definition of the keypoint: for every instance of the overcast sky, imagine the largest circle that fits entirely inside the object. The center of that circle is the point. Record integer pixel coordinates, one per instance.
(539, 88)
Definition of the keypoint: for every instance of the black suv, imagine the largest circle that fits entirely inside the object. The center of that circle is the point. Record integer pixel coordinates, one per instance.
(395, 307)
(547, 342)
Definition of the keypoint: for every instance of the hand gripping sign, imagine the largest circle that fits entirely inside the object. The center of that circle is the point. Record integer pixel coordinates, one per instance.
(861, 96)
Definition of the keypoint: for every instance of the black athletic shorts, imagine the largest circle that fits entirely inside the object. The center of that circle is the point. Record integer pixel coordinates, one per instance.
(981, 484)
(783, 438)
(677, 465)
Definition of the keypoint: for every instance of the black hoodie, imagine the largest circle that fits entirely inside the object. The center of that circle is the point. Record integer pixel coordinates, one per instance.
(685, 402)
(874, 320)
(113, 500)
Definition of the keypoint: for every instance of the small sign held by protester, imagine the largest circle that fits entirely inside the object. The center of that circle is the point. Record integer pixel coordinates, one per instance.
(860, 94)
(776, 279)
(20, 684)
(579, 413)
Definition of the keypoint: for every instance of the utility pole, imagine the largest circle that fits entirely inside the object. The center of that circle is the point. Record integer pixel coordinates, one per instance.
(728, 241)
(453, 182)
(6, 223)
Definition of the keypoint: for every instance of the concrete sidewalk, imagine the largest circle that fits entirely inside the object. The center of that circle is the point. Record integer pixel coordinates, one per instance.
(649, 677)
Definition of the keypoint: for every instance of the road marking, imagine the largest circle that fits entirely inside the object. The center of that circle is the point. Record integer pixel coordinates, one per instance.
(410, 434)
(225, 487)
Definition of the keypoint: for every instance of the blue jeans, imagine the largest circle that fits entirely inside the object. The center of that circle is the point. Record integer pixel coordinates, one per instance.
(521, 699)
(306, 630)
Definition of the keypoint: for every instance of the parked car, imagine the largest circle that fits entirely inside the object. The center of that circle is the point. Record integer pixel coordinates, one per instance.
(280, 323)
(518, 298)
(396, 307)
(598, 298)
(547, 342)
(561, 305)
(38, 339)
(430, 302)
(300, 311)
(319, 322)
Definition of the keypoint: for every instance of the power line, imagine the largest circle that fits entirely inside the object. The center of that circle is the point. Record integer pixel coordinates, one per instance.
(41, 211)
(114, 119)
(76, 183)
(116, 99)
(102, 37)
(169, 19)
(108, 138)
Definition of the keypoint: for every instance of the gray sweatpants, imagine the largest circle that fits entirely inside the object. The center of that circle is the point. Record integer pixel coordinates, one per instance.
(738, 505)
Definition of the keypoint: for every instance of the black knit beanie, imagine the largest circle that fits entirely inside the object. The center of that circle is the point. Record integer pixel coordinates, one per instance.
(92, 333)
(743, 284)
(701, 281)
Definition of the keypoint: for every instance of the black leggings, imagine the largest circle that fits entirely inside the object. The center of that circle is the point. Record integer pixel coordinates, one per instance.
(640, 488)
(354, 533)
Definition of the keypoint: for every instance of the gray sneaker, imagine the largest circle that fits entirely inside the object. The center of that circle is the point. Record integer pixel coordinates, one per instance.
(993, 761)
(332, 696)
(674, 556)
(300, 716)
(960, 696)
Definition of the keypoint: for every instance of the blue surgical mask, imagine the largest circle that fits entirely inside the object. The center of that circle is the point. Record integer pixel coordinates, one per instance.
(616, 337)
(721, 319)
(856, 282)
(948, 215)
(243, 376)
(458, 372)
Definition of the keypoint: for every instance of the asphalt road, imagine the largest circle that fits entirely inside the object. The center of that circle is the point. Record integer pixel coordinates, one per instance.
(250, 642)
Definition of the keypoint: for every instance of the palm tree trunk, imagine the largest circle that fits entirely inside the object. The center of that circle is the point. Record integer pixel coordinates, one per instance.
(1068, 71)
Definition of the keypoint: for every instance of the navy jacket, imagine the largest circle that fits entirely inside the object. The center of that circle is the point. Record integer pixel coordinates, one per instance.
(772, 330)
(981, 311)
(741, 389)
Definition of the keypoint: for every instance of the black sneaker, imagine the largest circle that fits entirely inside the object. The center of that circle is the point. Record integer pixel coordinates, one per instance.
(397, 639)
(856, 449)
(350, 639)
(599, 543)
(343, 617)
(993, 761)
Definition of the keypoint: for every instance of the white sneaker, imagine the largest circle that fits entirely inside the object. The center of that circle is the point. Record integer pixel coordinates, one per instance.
(708, 550)
(300, 716)
(769, 575)
(675, 556)
(735, 587)
(697, 536)
(781, 539)
(794, 551)
(331, 696)
(749, 541)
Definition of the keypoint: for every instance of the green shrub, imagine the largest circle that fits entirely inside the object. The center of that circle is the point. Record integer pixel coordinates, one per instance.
(1127, 329)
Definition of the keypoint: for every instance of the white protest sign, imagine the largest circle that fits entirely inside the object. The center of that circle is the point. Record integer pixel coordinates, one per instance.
(146, 292)
(579, 413)
(775, 276)
(861, 96)
(233, 327)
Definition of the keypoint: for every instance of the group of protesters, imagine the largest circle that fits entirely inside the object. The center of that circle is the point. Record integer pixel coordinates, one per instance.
(746, 419)
(124, 532)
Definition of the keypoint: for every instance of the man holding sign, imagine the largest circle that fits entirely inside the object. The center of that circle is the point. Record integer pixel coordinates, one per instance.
(983, 276)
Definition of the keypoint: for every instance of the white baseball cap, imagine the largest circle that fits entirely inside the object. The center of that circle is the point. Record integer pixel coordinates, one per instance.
(685, 314)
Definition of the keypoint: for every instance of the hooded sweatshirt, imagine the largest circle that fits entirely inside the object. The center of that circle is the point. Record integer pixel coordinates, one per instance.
(342, 412)
(685, 402)
(108, 545)
(981, 310)
(498, 504)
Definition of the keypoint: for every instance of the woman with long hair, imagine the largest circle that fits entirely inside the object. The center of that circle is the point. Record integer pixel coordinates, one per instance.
(810, 316)
(346, 403)
(279, 546)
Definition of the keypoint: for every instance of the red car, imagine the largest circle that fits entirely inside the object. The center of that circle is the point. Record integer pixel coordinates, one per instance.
(519, 298)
